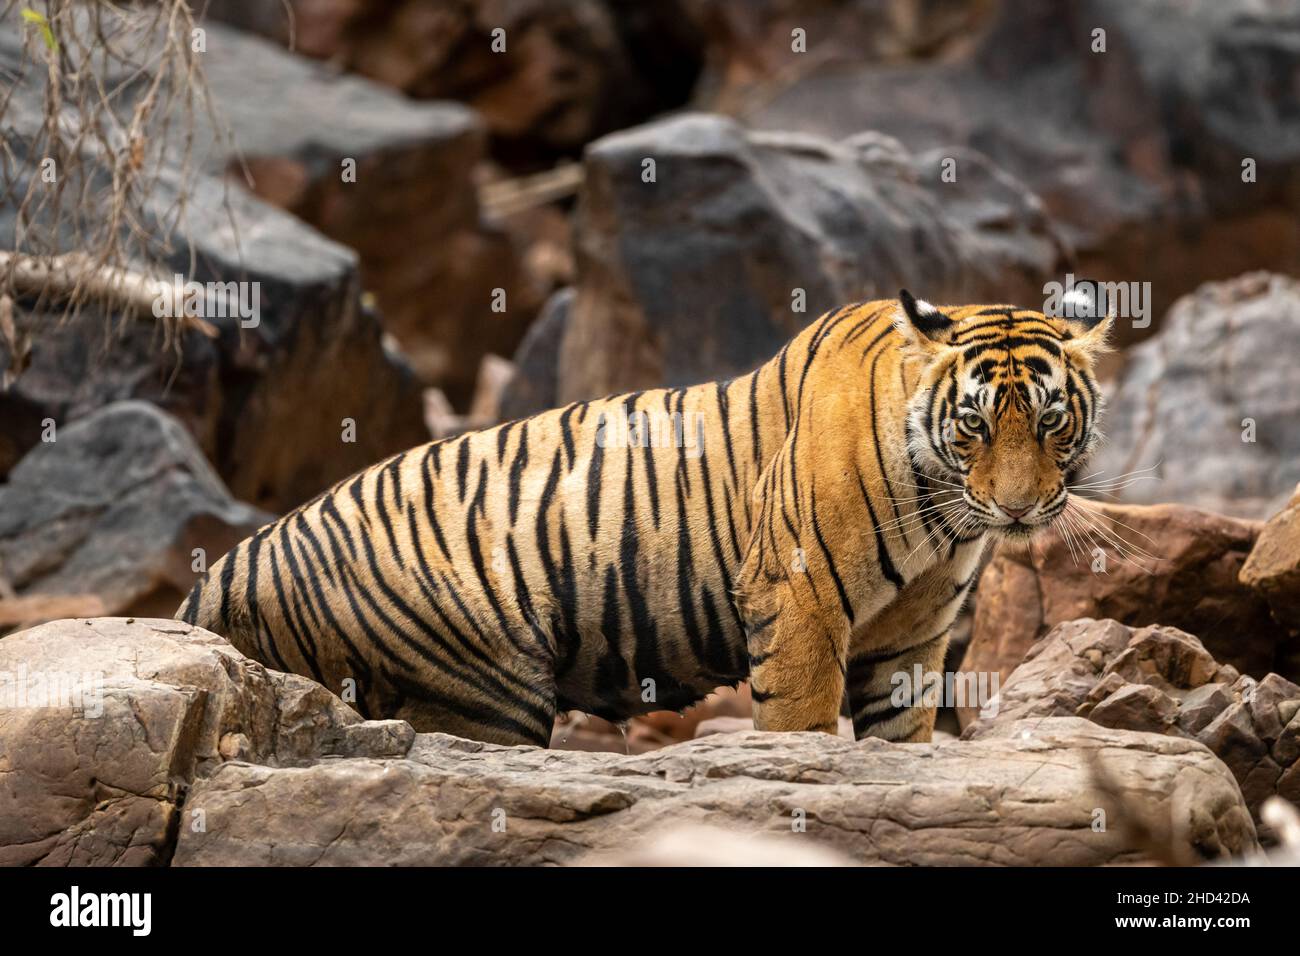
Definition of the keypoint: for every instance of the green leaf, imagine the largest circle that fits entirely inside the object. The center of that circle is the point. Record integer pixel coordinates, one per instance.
(42, 24)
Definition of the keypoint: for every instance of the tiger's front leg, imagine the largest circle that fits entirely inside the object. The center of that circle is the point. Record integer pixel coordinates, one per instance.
(796, 654)
(894, 658)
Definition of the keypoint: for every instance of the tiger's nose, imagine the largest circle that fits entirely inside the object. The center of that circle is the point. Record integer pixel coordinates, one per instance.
(1014, 513)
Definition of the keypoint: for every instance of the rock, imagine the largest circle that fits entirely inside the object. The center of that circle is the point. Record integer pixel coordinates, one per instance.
(748, 45)
(1273, 567)
(701, 273)
(1212, 403)
(535, 385)
(408, 207)
(1191, 584)
(276, 770)
(738, 725)
(104, 724)
(1136, 151)
(1004, 799)
(241, 394)
(494, 375)
(1136, 707)
(1156, 679)
(1202, 705)
(110, 513)
(568, 71)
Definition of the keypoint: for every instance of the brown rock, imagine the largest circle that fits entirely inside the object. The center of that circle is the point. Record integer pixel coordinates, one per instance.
(1136, 707)
(1192, 585)
(1200, 706)
(103, 723)
(569, 71)
(1273, 567)
(1156, 679)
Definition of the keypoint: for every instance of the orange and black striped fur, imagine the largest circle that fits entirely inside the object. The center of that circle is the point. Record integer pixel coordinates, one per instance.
(813, 526)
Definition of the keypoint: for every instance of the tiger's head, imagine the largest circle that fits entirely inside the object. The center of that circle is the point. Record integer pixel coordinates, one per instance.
(1006, 411)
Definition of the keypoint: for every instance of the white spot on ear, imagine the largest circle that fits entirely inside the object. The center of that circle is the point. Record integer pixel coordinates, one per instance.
(925, 308)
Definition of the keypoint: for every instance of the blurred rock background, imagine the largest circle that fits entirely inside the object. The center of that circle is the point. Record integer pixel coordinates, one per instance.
(445, 205)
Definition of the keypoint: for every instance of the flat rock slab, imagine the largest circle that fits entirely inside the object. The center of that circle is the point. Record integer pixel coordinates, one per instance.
(178, 749)
(1025, 796)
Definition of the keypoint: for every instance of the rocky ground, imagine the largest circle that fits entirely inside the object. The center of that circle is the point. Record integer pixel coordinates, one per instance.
(499, 251)
(194, 755)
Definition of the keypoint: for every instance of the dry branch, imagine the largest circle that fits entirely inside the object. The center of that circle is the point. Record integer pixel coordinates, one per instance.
(75, 275)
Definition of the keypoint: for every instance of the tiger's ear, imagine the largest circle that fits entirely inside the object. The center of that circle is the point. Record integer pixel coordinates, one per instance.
(1088, 316)
(924, 328)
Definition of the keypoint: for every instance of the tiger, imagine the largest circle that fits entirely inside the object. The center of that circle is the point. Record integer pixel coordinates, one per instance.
(813, 527)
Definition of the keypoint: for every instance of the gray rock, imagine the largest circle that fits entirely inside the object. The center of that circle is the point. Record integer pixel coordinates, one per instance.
(1220, 371)
(265, 401)
(698, 274)
(1136, 151)
(411, 212)
(110, 512)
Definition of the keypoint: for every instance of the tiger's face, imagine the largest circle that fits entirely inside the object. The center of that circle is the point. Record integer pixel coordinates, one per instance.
(1007, 408)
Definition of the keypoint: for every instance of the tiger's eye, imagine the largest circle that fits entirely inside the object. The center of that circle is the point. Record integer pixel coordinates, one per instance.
(972, 422)
(1051, 419)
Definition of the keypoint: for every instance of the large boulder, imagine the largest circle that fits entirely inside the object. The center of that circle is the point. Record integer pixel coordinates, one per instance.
(1149, 129)
(1159, 680)
(702, 248)
(267, 397)
(104, 723)
(1211, 404)
(115, 514)
(1156, 564)
(275, 770)
(392, 179)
